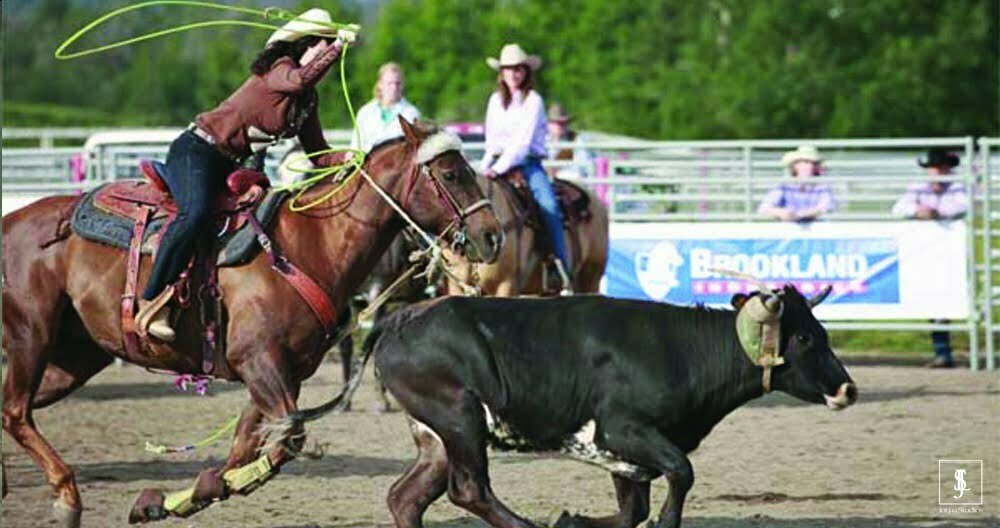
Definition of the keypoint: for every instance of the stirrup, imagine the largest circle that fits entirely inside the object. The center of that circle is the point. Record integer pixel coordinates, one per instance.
(150, 319)
(567, 285)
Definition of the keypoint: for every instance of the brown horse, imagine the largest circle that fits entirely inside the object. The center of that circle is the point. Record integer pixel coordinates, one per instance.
(519, 268)
(62, 324)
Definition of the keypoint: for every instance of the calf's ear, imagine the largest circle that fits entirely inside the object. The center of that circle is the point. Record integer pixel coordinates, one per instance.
(739, 300)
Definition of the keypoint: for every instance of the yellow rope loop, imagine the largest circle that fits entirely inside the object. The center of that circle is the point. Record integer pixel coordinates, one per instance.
(346, 171)
(271, 13)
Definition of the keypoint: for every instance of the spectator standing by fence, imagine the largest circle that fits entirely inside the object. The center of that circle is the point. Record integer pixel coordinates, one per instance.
(936, 199)
(559, 131)
(378, 120)
(804, 199)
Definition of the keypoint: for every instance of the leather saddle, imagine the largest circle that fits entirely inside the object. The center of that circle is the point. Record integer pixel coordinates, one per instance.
(134, 198)
(574, 202)
(138, 203)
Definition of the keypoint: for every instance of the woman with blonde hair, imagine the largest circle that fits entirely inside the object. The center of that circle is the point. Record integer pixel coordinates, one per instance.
(378, 119)
(515, 137)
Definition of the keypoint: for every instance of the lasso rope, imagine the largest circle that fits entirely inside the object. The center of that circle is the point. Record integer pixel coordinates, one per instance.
(345, 172)
(162, 449)
(274, 13)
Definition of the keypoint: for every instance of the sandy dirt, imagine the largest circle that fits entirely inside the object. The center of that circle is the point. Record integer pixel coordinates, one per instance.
(775, 463)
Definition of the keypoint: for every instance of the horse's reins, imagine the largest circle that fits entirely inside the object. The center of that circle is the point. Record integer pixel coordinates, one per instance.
(433, 250)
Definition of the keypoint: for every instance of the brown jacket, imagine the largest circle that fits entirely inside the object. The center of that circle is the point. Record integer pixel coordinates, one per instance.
(282, 103)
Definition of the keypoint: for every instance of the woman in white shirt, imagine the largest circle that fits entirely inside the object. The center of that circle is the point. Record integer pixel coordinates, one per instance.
(515, 136)
(378, 119)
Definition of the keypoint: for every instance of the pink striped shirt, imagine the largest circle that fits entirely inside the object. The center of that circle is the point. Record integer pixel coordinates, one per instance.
(953, 202)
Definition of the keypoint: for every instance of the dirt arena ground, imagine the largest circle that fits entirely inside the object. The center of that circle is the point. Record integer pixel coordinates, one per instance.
(775, 463)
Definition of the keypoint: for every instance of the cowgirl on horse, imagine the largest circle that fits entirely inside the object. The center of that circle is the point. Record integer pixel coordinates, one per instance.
(515, 136)
(279, 100)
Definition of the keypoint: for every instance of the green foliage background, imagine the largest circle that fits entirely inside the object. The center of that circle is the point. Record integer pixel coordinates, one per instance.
(671, 69)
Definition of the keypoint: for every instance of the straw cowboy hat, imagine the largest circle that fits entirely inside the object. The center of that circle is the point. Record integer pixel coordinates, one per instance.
(558, 114)
(313, 21)
(513, 55)
(939, 157)
(803, 153)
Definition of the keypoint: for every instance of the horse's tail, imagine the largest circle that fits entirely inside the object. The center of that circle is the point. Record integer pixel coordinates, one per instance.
(278, 429)
(343, 398)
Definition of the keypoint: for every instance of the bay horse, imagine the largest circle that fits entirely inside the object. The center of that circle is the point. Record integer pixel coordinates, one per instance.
(519, 268)
(62, 298)
(393, 263)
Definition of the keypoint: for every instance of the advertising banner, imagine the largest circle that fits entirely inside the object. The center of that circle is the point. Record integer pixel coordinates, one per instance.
(878, 270)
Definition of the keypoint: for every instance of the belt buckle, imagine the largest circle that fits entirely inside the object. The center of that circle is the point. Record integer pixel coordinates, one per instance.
(205, 135)
(200, 132)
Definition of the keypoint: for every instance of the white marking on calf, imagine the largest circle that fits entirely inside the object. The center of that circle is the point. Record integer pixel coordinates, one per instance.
(581, 446)
(501, 435)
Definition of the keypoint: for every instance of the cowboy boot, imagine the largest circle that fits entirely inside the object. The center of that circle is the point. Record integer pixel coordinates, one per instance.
(154, 316)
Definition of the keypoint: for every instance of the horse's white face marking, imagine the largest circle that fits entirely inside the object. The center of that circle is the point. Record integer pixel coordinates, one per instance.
(438, 144)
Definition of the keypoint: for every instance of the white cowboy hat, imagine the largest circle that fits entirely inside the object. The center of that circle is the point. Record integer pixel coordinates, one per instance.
(311, 22)
(513, 55)
(803, 153)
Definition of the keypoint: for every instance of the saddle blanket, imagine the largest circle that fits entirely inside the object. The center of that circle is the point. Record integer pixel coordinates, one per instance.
(95, 224)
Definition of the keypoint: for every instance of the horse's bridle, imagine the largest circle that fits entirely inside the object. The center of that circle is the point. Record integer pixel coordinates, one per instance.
(459, 214)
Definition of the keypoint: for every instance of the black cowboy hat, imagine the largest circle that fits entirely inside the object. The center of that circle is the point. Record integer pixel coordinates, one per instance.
(939, 157)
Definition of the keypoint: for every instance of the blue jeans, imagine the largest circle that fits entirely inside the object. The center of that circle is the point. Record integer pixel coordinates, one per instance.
(195, 175)
(942, 345)
(541, 187)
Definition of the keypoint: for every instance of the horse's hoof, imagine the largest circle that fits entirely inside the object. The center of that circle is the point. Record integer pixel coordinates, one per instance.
(313, 450)
(209, 486)
(148, 507)
(66, 516)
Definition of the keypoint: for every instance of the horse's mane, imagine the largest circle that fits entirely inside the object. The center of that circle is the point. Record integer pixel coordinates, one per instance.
(424, 128)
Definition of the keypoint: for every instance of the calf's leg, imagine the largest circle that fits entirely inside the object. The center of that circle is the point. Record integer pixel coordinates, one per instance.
(423, 483)
(633, 504)
(456, 417)
(647, 447)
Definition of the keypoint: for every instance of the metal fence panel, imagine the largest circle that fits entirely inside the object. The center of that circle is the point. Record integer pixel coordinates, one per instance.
(649, 181)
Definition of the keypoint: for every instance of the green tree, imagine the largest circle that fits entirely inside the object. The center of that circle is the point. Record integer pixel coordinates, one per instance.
(671, 69)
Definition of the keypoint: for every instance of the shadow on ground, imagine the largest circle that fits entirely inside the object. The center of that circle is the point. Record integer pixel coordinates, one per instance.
(161, 387)
(328, 467)
(757, 521)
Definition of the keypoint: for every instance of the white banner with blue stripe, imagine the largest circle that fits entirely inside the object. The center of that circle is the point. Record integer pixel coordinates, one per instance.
(878, 270)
